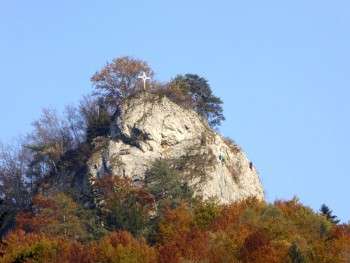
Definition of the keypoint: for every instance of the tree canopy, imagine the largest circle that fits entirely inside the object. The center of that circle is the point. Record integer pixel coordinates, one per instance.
(119, 79)
(328, 213)
(157, 219)
(198, 93)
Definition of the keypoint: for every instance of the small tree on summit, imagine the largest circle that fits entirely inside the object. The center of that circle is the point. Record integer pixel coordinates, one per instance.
(119, 79)
(200, 97)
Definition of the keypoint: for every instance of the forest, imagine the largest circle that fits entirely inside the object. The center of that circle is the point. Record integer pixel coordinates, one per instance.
(160, 220)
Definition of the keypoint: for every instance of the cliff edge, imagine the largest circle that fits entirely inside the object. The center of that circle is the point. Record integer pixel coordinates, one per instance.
(151, 127)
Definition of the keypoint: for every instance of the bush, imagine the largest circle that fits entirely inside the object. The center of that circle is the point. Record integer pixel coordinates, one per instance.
(59, 216)
(124, 206)
(167, 186)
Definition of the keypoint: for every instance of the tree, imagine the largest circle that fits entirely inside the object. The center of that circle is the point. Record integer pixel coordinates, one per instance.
(7, 217)
(51, 138)
(123, 206)
(205, 213)
(166, 184)
(119, 79)
(325, 211)
(123, 247)
(257, 247)
(13, 164)
(201, 97)
(14, 193)
(59, 215)
(295, 254)
(97, 117)
(19, 247)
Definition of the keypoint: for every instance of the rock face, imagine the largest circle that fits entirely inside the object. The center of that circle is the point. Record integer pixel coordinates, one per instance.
(152, 127)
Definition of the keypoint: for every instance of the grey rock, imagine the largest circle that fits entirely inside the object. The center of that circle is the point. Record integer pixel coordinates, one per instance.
(152, 127)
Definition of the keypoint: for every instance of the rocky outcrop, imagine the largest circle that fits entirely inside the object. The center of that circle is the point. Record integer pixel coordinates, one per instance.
(152, 127)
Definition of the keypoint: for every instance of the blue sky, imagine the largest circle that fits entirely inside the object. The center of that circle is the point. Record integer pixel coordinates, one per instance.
(281, 67)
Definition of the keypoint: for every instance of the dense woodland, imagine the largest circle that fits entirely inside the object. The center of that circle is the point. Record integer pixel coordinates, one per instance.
(158, 221)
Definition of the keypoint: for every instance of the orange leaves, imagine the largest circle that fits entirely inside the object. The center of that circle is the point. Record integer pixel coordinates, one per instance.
(120, 78)
(57, 215)
(180, 238)
(21, 247)
(231, 214)
(247, 231)
(117, 247)
(176, 223)
(258, 248)
(45, 210)
(192, 246)
(123, 247)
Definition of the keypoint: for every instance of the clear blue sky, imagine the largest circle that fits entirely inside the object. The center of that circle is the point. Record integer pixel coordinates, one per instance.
(281, 67)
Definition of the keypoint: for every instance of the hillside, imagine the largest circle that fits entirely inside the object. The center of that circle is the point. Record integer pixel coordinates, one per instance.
(143, 175)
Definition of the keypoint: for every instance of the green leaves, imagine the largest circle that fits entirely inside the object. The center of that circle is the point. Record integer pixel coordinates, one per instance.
(200, 97)
(295, 254)
(166, 185)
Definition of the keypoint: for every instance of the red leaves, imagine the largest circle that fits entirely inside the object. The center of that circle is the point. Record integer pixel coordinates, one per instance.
(256, 247)
(248, 231)
(56, 215)
(121, 238)
(180, 237)
(34, 221)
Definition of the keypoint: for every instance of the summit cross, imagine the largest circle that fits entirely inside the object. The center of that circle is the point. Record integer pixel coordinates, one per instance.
(144, 77)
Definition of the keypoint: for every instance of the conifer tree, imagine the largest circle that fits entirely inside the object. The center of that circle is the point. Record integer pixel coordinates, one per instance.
(328, 213)
(201, 98)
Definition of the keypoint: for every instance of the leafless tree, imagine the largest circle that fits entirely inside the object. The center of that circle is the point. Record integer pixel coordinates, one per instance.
(14, 189)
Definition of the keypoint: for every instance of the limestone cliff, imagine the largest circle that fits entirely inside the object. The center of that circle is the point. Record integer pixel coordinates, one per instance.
(152, 127)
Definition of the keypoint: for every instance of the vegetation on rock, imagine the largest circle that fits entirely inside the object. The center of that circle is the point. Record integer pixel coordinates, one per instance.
(196, 91)
(44, 217)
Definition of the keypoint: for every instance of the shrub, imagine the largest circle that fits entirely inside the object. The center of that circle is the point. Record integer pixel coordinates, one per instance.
(124, 206)
(167, 186)
(58, 215)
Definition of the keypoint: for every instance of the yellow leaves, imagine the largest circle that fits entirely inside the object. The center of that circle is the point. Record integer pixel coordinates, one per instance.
(56, 215)
(176, 222)
(205, 213)
(117, 247)
(21, 247)
(247, 231)
(122, 247)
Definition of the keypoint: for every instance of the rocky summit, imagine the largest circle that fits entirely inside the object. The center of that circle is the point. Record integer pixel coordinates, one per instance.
(151, 127)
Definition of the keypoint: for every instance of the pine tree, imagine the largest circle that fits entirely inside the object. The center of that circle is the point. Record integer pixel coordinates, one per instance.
(328, 213)
(201, 97)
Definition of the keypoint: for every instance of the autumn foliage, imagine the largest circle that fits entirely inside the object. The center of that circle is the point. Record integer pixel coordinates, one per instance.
(247, 231)
(111, 219)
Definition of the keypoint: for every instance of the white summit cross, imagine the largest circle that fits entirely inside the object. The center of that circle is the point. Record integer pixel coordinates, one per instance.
(144, 77)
